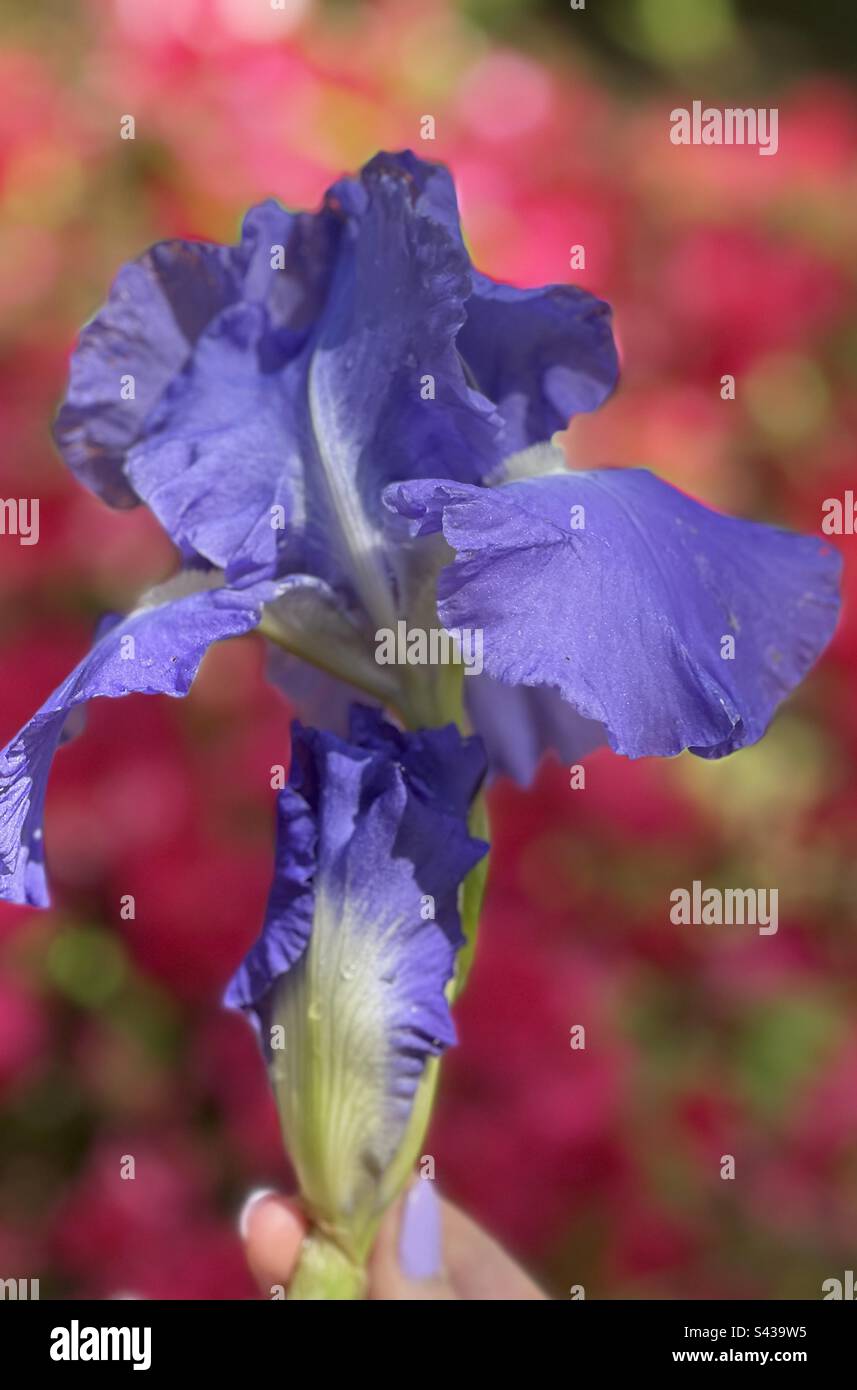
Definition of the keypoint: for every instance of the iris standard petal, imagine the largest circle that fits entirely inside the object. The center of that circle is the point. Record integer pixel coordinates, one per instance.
(672, 625)
(359, 944)
(386, 391)
(154, 650)
(223, 448)
(131, 351)
(159, 306)
(320, 365)
(541, 355)
(278, 386)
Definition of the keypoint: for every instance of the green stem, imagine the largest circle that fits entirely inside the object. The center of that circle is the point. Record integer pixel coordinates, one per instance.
(325, 1272)
(472, 893)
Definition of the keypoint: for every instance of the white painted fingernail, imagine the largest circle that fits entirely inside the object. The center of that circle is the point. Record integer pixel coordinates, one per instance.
(255, 1196)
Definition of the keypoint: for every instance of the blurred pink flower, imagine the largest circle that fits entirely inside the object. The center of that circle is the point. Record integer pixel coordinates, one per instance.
(24, 1034)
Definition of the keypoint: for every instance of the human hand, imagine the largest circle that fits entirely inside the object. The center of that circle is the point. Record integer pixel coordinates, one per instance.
(426, 1249)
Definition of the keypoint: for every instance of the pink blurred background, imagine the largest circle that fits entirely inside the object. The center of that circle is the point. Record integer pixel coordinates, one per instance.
(598, 1167)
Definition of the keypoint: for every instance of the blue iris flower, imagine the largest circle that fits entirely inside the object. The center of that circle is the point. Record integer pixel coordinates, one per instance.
(342, 425)
(346, 430)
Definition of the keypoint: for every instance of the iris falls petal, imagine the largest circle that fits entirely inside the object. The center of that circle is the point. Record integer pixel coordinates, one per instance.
(672, 625)
(156, 649)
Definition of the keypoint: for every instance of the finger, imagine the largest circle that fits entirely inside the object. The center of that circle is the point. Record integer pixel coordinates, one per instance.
(407, 1261)
(428, 1249)
(478, 1267)
(273, 1228)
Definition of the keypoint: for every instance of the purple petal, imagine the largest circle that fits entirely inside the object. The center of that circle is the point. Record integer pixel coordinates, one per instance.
(628, 616)
(542, 355)
(169, 641)
(157, 308)
(221, 449)
(288, 918)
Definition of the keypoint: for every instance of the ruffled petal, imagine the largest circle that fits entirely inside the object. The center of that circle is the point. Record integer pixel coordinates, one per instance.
(673, 626)
(541, 355)
(291, 904)
(159, 308)
(223, 448)
(154, 650)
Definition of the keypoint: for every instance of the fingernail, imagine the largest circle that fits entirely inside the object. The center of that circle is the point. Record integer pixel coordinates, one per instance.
(420, 1232)
(255, 1196)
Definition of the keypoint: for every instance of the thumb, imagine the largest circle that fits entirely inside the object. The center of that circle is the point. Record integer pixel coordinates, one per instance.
(273, 1229)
